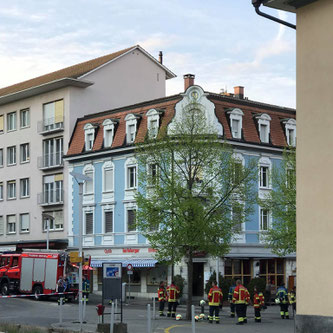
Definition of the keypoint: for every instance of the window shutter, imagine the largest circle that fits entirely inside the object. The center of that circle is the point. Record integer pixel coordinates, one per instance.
(108, 179)
(25, 222)
(131, 220)
(59, 111)
(89, 223)
(108, 222)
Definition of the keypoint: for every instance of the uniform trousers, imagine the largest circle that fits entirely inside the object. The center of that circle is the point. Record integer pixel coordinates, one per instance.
(172, 307)
(214, 311)
(240, 311)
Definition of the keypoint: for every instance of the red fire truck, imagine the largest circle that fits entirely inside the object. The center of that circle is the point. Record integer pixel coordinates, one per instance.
(32, 272)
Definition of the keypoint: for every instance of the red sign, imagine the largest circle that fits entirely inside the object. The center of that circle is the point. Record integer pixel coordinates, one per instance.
(151, 250)
(129, 267)
(131, 250)
(107, 251)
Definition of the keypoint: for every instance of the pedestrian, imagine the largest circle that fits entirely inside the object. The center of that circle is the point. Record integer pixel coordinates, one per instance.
(172, 294)
(162, 297)
(239, 298)
(258, 303)
(282, 295)
(85, 288)
(230, 295)
(215, 298)
(292, 300)
(60, 288)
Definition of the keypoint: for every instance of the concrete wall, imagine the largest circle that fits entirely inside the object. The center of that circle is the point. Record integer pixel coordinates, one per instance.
(314, 161)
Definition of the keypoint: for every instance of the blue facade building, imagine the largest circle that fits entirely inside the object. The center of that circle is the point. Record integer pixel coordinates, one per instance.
(102, 147)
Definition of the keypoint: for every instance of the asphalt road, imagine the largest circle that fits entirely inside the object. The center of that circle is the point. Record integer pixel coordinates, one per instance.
(46, 313)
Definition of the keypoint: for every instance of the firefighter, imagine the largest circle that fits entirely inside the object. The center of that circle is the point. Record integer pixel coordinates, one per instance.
(60, 289)
(292, 299)
(230, 295)
(258, 303)
(215, 297)
(172, 294)
(162, 297)
(282, 295)
(247, 302)
(85, 288)
(239, 299)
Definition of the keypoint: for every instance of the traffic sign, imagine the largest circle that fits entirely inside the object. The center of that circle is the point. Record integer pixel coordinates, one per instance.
(130, 267)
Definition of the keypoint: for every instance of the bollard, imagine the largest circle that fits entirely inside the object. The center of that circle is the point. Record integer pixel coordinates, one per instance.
(154, 309)
(112, 318)
(148, 319)
(60, 312)
(193, 319)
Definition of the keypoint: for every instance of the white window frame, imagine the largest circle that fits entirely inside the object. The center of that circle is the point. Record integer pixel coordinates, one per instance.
(11, 122)
(52, 222)
(27, 194)
(89, 171)
(261, 219)
(290, 126)
(26, 230)
(266, 163)
(131, 163)
(264, 120)
(89, 131)
(7, 224)
(53, 152)
(153, 116)
(107, 166)
(11, 155)
(237, 115)
(108, 131)
(131, 120)
(9, 183)
(25, 152)
(25, 118)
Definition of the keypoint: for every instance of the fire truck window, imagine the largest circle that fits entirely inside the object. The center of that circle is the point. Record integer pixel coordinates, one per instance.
(15, 261)
(4, 261)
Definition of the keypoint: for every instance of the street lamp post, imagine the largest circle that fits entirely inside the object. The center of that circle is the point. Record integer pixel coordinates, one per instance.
(48, 217)
(80, 179)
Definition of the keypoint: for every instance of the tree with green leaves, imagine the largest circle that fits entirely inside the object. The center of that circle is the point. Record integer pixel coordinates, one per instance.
(193, 193)
(281, 202)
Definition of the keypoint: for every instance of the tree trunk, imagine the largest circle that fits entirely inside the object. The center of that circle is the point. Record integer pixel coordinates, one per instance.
(189, 285)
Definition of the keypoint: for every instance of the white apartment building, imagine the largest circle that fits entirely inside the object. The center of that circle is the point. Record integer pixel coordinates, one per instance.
(37, 118)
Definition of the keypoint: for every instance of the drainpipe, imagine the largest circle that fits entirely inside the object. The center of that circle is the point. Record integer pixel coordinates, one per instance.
(258, 3)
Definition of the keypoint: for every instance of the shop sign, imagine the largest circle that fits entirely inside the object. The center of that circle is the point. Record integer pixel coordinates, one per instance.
(131, 250)
(107, 251)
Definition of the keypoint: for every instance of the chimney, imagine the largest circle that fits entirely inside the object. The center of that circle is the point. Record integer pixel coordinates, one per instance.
(160, 57)
(239, 92)
(188, 80)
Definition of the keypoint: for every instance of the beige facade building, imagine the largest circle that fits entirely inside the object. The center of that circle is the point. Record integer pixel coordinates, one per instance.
(314, 162)
(36, 121)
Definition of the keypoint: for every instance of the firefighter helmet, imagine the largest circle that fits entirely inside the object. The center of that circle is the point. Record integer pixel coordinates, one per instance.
(178, 317)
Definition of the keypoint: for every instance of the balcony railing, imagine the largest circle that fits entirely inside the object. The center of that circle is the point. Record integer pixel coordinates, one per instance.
(54, 197)
(48, 161)
(50, 125)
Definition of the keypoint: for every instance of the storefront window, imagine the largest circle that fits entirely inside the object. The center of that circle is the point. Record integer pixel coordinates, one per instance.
(135, 277)
(272, 270)
(156, 274)
(238, 269)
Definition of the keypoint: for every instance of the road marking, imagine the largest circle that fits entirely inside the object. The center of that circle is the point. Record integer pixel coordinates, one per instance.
(167, 330)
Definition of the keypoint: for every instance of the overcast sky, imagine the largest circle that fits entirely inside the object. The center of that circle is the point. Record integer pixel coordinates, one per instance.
(223, 42)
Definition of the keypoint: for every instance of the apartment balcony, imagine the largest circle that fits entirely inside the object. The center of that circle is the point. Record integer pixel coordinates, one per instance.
(50, 125)
(51, 198)
(50, 161)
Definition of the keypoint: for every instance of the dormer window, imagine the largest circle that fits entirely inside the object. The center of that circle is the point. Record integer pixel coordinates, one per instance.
(290, 130)
(89, 136)
(264, 127)
(109, 128)
(131, 127)
(153, 119)
(236, 122)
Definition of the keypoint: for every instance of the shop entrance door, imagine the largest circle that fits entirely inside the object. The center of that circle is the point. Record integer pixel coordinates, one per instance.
(198, 279)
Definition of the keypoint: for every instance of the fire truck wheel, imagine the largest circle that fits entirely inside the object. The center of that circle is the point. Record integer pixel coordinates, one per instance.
(4, 289)
(37, 290)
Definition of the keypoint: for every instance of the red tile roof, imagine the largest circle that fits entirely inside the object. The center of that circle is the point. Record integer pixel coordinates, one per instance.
(222, 104)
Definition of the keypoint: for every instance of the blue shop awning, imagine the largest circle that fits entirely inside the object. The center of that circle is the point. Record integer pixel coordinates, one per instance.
(133, 262)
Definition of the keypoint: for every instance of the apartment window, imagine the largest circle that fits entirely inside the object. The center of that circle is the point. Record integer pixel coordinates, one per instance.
(264, 176)
(89, 223)
(89, 184)
(89, 136)
(1, 190)
(153, 117)
(53, 189)
(52, 152)
(55, 223)
(290, 131)
(1, 157)
(131, 126)
(153, 174)
(1, 225)
(264, 127)
(264, 219)
(1, 124)
(108, 221)
(24, 188)
(11, 189)
(238, 172)
(235, 128)
(131, 133)
(236, 120)
(263, 133)
(109, 126)
(11, 121)
(131, 177)
(131, 220)
(24, 118)
(53, 114)
(108, 179)
(237, 217)
(25, 152)
(11, 155)
(24, 222)
(11, 224)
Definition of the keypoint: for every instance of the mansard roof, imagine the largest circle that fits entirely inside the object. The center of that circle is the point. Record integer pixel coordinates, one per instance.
(222, 104)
